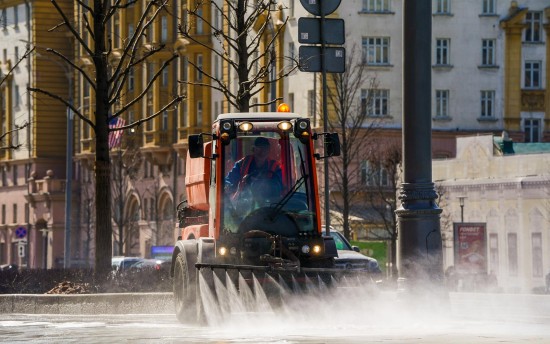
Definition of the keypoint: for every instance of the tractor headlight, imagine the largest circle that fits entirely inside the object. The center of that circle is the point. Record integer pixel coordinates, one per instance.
(284, 126)
(233, 250)
(316, 249)
(305, 249)
(222, 251)
(246, 126)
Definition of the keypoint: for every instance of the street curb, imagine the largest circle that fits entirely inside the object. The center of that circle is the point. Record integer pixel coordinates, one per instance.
(108, 303)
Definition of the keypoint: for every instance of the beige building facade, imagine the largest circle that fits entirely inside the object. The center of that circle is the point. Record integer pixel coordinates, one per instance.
(510, 193)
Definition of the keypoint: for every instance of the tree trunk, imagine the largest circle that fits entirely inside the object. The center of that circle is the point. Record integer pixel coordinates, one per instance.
(104, 230)
(243, 95)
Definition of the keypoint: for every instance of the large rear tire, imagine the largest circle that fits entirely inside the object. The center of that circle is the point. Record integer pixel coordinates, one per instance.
(185, 289)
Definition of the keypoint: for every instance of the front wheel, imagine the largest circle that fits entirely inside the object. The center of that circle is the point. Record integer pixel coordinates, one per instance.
(185, 290)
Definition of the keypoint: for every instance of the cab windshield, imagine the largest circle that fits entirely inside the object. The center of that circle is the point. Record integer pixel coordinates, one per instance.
(267, 171)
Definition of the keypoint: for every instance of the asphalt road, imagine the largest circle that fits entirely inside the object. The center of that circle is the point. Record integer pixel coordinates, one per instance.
(464, 318)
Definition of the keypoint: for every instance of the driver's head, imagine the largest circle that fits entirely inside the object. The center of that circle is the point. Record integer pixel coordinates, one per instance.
(260, 149)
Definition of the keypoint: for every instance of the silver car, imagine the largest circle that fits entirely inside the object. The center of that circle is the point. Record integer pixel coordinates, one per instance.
(349, 256)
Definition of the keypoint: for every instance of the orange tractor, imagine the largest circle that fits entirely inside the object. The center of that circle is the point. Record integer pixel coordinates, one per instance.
(252, 204)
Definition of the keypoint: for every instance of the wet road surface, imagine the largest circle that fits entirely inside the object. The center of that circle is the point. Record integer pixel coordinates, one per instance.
(470, 318)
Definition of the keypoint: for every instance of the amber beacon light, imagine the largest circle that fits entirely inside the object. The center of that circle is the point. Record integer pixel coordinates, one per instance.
(283, 107)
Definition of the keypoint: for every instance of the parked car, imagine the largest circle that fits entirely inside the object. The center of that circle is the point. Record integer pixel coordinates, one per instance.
(120, 264)
(155, 264)
(159, 267)
(349, 257)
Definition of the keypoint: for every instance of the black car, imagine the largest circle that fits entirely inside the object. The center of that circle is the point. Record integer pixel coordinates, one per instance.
(349, 256)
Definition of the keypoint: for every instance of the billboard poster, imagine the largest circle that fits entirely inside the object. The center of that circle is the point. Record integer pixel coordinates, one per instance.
(470, 246)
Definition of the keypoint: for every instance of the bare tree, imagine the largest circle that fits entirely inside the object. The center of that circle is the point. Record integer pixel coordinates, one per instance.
(246, 40)
(350, 119)
(382, 176)
(126, 170)
(87, 208)
(446, 216)
(108, 79)
(6, 135)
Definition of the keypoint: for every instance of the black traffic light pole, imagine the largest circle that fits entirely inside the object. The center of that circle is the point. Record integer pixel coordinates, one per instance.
(420, 246)
(325, 118)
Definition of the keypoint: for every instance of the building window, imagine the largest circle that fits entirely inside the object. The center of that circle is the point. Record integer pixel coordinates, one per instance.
(376, 50)
(376, 5)
(4, 19)
(291, 54)
(488, 7)
(487, 104)
(130, 30)
(131, 79)
(116, 31)
(536, 249)
(291, 8)
(199, 67)
(149, 112)
(533, 20)
(16, 53)
(3, 213)
(442, 48)
(488, 52)
(291, 101)
(164, 77)
(512, 254)
(145, 208)
(378, 105)
(199, 22)
(15, 170)
(14, 213)
(152, 213)
(493, 253)
(164, 124)
(199, 113)
(16, 17)
(27, 213)
(163, 29)
(373, 174)
(16, 95)
(532, 74)
(441, 103)
(443, 7)
(150, 32)
(531, 129)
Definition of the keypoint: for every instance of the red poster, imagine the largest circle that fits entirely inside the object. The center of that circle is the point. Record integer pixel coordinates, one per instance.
(470, 241)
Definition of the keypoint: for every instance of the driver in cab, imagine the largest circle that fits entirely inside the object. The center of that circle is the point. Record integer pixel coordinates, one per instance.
(256, 171)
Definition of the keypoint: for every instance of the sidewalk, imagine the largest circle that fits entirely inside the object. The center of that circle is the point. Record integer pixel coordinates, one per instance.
(108, 303)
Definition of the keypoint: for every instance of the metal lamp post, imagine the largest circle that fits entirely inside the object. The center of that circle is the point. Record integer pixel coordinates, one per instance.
(420, 242)
(461, 201)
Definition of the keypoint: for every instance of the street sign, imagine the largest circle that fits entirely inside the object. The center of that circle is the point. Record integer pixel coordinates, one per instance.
(314, 6)
(21, 249)
(309, 31)
(21, 232)
(310, 59)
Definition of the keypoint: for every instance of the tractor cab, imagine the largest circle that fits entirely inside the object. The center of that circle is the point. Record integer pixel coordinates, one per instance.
(262, 186)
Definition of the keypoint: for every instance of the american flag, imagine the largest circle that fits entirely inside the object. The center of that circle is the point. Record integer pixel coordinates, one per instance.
(115, 136)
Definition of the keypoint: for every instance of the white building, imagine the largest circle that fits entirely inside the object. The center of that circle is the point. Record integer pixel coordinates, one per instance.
(490, 61)
(510, 193)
